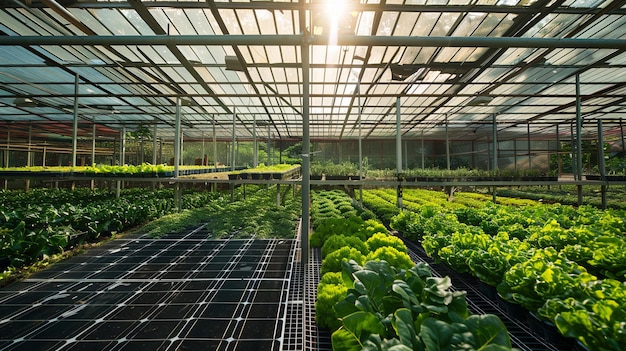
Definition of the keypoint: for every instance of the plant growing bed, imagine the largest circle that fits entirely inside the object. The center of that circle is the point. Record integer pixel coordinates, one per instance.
(280, 171)
(539, 256)
(368, 285)
(143, 170)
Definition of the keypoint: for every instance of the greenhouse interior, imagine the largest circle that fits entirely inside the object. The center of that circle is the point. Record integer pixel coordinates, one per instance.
(313, 175)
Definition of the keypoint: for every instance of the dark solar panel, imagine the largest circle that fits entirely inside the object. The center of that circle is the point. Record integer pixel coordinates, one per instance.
(184, 291)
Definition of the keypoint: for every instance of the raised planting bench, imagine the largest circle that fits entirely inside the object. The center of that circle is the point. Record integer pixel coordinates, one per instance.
(267, 172)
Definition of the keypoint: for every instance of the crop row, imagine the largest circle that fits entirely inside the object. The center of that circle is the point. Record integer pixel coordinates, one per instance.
(144, 169)
(373, 297)
(279, 171)
(566, 265)
(46, 221)
(257, 215)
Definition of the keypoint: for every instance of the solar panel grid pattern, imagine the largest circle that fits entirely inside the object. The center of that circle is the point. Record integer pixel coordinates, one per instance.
(181, 292)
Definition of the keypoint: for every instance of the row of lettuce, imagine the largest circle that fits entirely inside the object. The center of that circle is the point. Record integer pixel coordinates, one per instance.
(143, 170)
(373, 297)
(149, 170)
(565, 265)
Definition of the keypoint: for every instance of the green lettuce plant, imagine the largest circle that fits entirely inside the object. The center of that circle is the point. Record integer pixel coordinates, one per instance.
(379, 240)
(547, 274)
(330, 290)
(396, 258)
(391, 309)
(332, 262)
(490, 264)
(336, 242)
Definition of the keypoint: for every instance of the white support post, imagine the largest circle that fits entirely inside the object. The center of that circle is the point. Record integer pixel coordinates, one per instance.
(203, 150)
(423, 150)
(579, 146)
(306, 157)
(93, 142)
(232, 148)
(601, 162)
(495, 142)
(530, 161)
(75, 122)
(398, 152)
(123, 146)
(269, 144)
(358, 88)
(177, 150)
(447, 144)
(214, 145)
(154, 143)
(29, 156)
(255, 146)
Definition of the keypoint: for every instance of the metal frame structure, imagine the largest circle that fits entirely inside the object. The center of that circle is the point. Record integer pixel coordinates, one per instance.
(454, 64)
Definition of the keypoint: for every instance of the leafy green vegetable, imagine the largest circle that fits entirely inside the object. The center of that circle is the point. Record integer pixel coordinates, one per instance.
(383, 239)
(332, 262)
(330, 290)
(335, 242)
(398, 259)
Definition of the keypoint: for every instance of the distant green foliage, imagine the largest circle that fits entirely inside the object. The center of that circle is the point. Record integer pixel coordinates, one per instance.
(257, 216)
(383, 209)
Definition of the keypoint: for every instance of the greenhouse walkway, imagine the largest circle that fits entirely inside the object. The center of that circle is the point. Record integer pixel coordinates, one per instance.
(182, 292)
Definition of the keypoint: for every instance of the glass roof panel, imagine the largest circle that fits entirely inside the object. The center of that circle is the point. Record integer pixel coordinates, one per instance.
(525, 83)
(124, 22)
(583, 3)
(230, 21)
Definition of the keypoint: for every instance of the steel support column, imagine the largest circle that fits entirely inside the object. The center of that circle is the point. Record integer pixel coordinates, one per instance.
(154, 144)
(358, 88)
(75, 122)
(494, 140)
(579, 143)
(269, 143)
(306, 156)
(232, 148)
(601, 162)
(558, 152)
(214, 144)
(255, 146)
(118, 184)
(423, 150)
(177, 200)
(530, 161)
(494, 137)
(398, 151)
(122, 159)
(7, 151)
(447, 144)
(93, 142)
(621, 134)
(93, 151)
(29, 154)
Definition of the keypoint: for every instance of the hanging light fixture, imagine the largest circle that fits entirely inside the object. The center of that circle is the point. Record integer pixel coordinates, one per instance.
(480, 100)
(25, 102)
